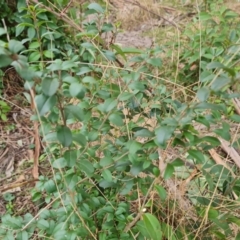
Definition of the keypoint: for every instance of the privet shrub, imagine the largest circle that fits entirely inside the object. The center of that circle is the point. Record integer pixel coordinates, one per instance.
(108, 122)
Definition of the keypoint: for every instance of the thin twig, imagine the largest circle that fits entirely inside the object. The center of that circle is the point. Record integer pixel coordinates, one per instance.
(66, 8)
(5, 27)
(36, 138)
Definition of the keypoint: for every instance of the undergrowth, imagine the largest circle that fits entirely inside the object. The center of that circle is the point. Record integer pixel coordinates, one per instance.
(127, 133)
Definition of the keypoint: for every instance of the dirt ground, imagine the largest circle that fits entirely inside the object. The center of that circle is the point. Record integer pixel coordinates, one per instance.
(139, 18)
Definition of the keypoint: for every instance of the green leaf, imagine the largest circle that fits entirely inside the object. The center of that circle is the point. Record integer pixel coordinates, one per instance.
(84, 70)
(64, 136)
(19, 30)
(237, 237)
(2, 31)
(178, 162)
(71, 157)
(9, 236)
(119, 51)
(22, 235)
(143, 230)
(50, 137)
(203, 200)
(34, 56)
(144, 133)
(215, 65)
(5, 60)
(68, 65)
(42, 224)
(196, 154)
(86, 166)
(168, 232)
(213, 213)
(20, 63)
(70, 79)
(163, 134)
(126, 188)
(212, 140)
(108, 105)
(89, 80)
(131, 50)
(59, 163)
(109, 55)
(137, 86)
(92, 136)
(71, 180)
(80, 138)
(120, 210)
(77, 90)
(203, 94)
(106, 161)
(59, 231)
(48, 54)
(34, 45)
(107, 175)
(105, 184)
(161, 192)
(44, 103)
(56, 65)
(108, 27)
(235, 118)
(204, 105)
(21, 4)
(125, 96)
(15, 46)
(136, 168)
(233, 219)
(155, 62)
(12, 222)
(168, 171)
(31, 32)
(96, 7)
(28, 75)
(224, 132)
(203, 121)
(205, 16)
(8, 197)
(50, 186)
(155, 171)
(75, 111)
(133, 146)
(116, 119)
(50, 86)
(153, 226)
(219, 83)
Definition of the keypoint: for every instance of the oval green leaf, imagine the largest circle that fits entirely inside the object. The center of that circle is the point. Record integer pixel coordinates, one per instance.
(86, 166)
(44, 103)
(203, 94)
(116, 119)
(219, 83)
(64, 136)
(168, 171)
(50, 86)
(77, 90)
(163, 134)
(153, 226)
(96, 7)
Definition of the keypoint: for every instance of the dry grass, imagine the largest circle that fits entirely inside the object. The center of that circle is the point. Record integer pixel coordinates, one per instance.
(233, 5)
(132, 14)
